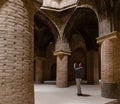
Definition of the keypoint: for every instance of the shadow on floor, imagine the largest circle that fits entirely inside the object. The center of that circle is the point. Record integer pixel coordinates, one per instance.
(85, 95)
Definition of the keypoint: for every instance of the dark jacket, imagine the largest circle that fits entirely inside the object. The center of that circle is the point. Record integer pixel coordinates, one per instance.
(79, 71)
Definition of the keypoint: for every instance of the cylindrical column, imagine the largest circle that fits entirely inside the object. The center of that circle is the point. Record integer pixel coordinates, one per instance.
(110, 65)
(38, 70)
(16, 53)
(62, 70)
(92, 67)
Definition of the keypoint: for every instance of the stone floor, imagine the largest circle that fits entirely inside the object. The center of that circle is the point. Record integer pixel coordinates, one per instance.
(50, 94)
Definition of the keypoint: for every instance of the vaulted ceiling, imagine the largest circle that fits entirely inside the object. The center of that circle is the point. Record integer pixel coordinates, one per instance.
(83, 20)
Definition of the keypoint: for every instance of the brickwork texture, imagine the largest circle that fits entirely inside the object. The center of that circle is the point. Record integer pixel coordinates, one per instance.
(16, 45)
(62, 71)
(110, 56)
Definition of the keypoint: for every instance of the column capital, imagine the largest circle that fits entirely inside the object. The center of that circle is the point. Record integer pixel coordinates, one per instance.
(109, 36)
(62, 52)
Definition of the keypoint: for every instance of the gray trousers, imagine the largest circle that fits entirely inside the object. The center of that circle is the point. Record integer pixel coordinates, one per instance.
(78, 83)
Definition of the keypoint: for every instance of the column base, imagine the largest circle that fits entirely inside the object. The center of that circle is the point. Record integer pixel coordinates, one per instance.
(62, 85)
(110, 90)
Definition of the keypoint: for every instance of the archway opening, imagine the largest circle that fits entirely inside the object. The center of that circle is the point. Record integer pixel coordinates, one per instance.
(81, 32)
(44, 44)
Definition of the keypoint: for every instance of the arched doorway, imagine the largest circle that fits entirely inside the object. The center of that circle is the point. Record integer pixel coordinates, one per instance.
(81, 32)
(78, 54)
(44, 44)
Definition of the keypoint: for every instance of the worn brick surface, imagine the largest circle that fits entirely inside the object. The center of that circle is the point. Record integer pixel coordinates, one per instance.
(62, 71)
(110, 64)
(16, 38)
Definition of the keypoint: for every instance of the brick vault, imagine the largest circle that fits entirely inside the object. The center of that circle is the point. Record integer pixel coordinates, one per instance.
(40, 40)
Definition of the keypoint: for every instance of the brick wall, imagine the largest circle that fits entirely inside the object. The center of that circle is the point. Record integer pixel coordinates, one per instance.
(16, 45)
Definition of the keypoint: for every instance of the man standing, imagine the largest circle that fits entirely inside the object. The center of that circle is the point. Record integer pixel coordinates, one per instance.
(78, 76)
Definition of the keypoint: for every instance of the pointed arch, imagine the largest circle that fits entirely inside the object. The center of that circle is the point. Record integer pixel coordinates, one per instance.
(45, 33)
(45, 19)
(85, 21)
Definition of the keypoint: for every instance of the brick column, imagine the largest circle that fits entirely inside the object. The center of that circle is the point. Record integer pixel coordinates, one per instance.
(110, 64)
(62, 68)
(16, 53)
(39, 70)
(92, 67)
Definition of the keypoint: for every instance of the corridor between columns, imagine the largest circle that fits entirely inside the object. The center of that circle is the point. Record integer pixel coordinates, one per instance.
(79, 41)
(69, 27)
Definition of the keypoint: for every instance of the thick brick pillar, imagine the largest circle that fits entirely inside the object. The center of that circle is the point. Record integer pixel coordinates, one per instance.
(16, 53)
(92, 67)
(110, 64)
(62, 68)
(39, 69)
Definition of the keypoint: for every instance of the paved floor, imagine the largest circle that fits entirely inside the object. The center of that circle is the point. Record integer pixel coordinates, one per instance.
(50, 94)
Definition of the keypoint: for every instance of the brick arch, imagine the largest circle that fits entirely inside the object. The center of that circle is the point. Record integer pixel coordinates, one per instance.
(102, 9)
(78, 21)
(45, 32)
(99, 7)
(43, 17)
